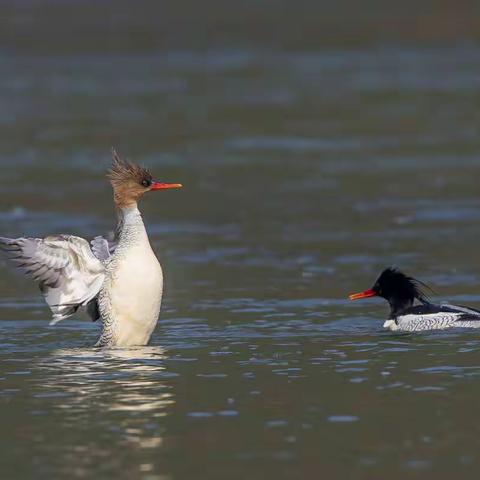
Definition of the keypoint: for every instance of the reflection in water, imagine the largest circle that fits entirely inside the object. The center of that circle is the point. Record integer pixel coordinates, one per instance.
(122, 391)
(116, 379)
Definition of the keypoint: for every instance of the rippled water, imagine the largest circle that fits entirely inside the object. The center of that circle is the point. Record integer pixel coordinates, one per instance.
(305, 174)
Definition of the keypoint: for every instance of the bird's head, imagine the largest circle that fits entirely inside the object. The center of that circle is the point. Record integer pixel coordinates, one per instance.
(130, 181)
(397, 288)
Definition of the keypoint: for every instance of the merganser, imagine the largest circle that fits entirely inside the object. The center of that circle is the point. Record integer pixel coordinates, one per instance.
(401, 291)
(118, 279)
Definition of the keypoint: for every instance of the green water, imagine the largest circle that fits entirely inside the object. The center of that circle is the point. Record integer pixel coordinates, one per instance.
(309, 163)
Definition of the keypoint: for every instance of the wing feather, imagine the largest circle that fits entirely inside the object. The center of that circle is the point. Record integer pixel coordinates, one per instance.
(104, 246)
(68, 273)
(100, 248)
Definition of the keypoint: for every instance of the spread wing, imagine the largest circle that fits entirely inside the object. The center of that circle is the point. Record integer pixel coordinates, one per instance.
(104, 246)
(100, 248)
(68, 273)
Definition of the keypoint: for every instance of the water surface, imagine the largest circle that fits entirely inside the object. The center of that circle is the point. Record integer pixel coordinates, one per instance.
(305, 172)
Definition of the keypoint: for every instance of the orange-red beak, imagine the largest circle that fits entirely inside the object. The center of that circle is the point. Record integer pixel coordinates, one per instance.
(367, 293)
(163, 186)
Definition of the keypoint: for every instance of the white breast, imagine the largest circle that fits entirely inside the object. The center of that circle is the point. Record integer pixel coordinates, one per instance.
(132, 293)
(135, 296)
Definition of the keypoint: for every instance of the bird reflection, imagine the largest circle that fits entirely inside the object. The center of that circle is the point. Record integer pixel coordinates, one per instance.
(127, 379)
(124, 391)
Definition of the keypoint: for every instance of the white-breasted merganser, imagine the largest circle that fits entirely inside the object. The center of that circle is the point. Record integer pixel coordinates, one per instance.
(401, 291)
(118, 280)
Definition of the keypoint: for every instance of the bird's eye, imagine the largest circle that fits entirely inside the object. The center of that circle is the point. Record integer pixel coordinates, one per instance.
(146, 183)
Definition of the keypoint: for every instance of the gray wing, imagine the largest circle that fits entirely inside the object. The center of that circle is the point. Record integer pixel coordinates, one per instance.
(100, 248)
(68, 273)
(466, 312)
(104, 246)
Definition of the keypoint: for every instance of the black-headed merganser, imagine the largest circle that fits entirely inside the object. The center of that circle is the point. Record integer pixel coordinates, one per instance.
(118, 280)
(401, 291)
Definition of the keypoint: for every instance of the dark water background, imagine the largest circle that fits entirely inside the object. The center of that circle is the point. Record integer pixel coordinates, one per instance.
(318, 143)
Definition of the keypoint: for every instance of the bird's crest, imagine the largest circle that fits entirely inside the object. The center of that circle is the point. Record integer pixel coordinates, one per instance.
(124, 171)
(400, 282)
(129, 181)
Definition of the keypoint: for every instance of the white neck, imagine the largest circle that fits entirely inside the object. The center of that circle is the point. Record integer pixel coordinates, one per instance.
(130, 227)
(130, 215)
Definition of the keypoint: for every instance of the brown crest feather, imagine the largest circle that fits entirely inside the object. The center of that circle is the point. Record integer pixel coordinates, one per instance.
(126, 179)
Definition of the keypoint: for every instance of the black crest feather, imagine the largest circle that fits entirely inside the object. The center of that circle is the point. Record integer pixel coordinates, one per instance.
(392, 280)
